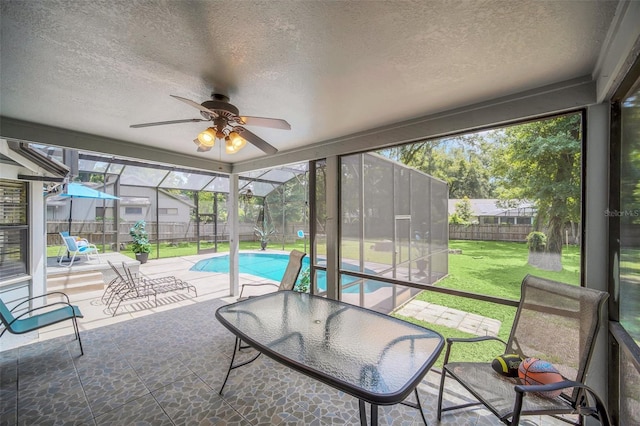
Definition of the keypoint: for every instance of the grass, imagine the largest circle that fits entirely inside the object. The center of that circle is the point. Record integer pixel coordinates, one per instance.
(490, 268)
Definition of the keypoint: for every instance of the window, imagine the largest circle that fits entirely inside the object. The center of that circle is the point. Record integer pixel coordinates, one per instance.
(624, 232)
(14, 229)
(168, 211)
(133, 210)
(629, 214)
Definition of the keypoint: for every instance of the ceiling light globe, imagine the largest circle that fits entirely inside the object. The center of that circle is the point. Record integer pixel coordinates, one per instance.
(208, 137)
(229, 148)
(238, 141)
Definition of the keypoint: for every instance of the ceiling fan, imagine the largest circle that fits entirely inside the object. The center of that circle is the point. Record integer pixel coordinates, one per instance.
(227, 125)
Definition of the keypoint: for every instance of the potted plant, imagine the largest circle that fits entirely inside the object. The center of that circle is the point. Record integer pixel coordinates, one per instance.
(141, 246)
(304, 281)
(264, 233)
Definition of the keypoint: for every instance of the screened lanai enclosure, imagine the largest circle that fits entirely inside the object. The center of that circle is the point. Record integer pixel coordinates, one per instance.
(180, 207)
(393, 231)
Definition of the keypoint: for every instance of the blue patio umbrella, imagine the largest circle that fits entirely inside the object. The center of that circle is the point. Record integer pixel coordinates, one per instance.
(77, 190)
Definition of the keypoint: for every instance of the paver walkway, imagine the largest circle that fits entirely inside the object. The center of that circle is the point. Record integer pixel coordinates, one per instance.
(453, 318)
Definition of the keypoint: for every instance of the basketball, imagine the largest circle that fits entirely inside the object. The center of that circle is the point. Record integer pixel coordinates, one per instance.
(534, 371)
(506, 364)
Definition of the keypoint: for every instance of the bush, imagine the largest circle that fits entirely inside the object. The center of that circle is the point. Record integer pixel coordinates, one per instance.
(536, 241)
(304, 281)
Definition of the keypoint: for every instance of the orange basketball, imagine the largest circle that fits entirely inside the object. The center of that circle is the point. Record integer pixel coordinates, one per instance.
(534, 371)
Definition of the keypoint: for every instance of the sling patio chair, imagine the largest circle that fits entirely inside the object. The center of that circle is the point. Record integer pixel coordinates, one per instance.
(554, 322)
(78, 247)
(290, 274)
(42, 316)
(63, 248)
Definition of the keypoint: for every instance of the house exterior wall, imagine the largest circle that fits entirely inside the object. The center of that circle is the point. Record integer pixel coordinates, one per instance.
(33, 283)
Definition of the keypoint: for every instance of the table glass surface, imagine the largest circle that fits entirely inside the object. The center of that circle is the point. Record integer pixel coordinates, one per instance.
(370, 355)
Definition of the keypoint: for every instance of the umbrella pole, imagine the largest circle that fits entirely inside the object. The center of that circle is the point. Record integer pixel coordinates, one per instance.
(70, 213)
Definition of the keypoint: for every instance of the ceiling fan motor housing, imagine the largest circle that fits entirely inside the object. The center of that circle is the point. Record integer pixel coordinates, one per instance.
(220, 104)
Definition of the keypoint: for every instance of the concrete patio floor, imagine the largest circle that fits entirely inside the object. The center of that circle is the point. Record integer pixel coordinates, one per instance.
(165, 365)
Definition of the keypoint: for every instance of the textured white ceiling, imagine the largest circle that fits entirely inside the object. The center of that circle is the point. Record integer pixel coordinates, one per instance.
(328, 68)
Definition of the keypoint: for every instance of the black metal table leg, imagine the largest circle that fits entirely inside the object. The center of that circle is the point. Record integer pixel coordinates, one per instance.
(374, 415)
(417, 405)
(236, 348)
(363, 413)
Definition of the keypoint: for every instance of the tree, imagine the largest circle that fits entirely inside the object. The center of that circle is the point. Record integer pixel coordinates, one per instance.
(462, 214)
(540, 161)
(462, 161)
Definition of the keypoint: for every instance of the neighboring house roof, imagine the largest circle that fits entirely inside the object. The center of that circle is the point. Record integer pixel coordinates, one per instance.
(179, 197)
(493, 207)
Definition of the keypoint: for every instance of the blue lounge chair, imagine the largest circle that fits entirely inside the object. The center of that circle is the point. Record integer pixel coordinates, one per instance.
(63, 248)
(82, 247)
(31, 321)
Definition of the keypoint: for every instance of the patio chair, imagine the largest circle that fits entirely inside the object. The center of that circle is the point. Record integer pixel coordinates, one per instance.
(290, 274)
(41, 316)
(75, 248)
(63, 248)
(555, 322)
(161, 284)
(125, 287)
(114, 285)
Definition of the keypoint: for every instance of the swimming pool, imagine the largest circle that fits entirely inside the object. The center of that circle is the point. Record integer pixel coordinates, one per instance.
(272, 266)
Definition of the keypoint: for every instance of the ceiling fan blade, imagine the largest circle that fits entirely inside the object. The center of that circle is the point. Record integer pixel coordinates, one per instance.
(257, 141)
(161, 123)
(195, 105)
(274, 123)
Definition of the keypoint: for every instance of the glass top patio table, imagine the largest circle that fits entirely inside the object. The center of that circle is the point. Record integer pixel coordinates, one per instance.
(374, 357)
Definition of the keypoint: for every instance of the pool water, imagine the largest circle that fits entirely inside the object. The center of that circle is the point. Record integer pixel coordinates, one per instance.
(272, 267)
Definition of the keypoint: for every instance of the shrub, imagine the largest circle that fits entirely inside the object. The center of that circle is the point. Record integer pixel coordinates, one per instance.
(536, 241)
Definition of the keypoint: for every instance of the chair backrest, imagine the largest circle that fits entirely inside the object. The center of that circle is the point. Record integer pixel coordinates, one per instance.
(64, 234)
(122, 277)
(557, 322)
(70, 242)
(293, 270)
(5, 315)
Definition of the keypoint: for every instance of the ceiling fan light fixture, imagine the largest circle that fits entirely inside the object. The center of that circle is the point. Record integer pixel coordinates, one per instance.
(207, 137)
(238, 141)
(230, 148)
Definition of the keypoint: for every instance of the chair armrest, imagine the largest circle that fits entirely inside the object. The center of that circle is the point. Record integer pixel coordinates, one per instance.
(452, 340)
(600, 410)
(255, 285)
(42, 295)
(546, 388)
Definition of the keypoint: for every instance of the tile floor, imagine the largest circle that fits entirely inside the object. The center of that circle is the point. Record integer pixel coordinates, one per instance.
(166, 369)
(165, 365)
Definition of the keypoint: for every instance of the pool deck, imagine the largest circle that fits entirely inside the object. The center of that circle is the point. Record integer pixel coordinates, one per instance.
(210, 285)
